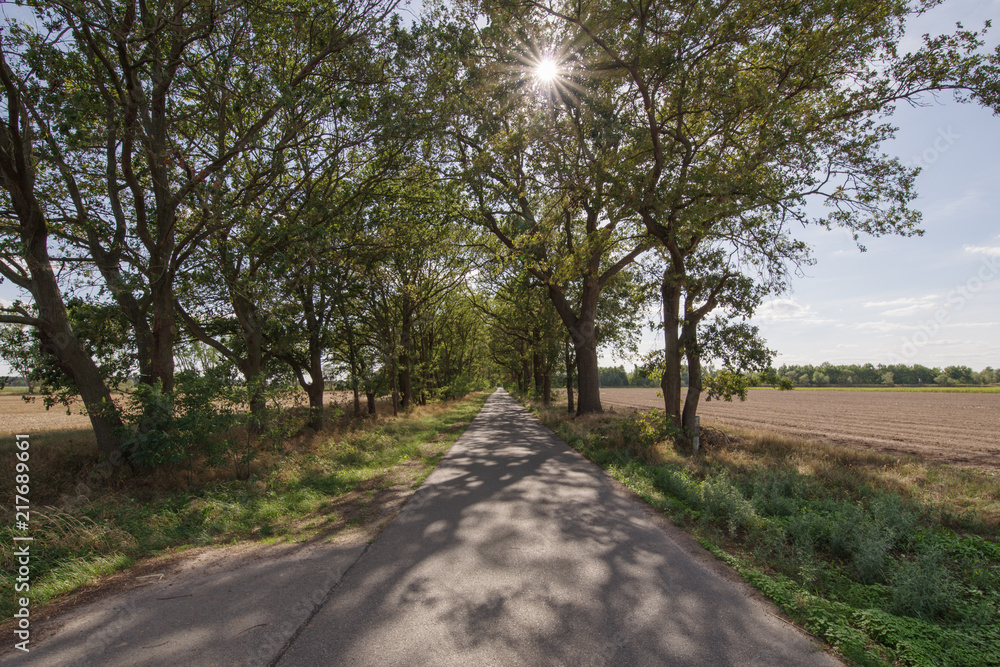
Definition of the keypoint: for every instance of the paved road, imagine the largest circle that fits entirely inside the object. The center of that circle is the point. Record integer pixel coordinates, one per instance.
(517, 551)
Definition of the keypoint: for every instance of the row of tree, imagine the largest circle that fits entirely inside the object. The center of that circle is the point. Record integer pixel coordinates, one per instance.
(310, 190)
(246, 178)
(827, 374)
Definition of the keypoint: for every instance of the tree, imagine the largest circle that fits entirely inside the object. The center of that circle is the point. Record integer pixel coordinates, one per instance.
(527, 333)
(533, 160)
(127, 110)
(20, 349)
(26, 263)
(423, 258)
(735, 115)
(141, 107)
(614, 377)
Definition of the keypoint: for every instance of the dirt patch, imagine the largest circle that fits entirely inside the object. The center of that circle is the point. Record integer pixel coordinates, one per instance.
(956, 428)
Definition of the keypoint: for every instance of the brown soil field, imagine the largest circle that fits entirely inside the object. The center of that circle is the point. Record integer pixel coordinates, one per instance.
(17, 416)
(962, 429)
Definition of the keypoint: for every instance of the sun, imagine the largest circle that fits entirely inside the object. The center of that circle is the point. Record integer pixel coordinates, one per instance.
(546, 70)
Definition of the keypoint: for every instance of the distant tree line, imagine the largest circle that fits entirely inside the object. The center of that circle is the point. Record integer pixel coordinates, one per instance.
(847, 375)
(823, 375)
(640, 377)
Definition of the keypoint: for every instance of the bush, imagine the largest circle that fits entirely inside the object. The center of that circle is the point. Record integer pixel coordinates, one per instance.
(722, 501)
(923, 588)
(204, 418)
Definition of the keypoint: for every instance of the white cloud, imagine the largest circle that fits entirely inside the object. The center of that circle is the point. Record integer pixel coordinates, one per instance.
(908, 310)
(989, 251)
(885, 327)
(905, 301)
(787, 310)
(905, 305)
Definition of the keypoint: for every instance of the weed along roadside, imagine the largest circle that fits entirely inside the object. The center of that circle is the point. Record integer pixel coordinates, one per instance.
(891, 561)
(346, 481)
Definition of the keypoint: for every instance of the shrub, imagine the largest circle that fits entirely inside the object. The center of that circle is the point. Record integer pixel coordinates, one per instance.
(204, 418)
(721, 500)
(923, 588)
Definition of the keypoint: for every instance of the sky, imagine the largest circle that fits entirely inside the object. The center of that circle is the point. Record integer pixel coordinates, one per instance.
(931, 300)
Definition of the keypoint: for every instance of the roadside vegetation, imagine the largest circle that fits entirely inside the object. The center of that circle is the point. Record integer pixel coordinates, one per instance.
(893, 561)
(350, 476)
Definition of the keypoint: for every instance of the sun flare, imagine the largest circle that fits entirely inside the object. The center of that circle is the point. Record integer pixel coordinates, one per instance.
(546, 70)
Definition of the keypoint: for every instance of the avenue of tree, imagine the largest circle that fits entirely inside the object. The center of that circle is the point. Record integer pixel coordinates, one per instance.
(304, 193)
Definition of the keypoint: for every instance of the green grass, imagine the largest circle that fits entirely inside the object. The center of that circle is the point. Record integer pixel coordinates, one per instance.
(317, 488)
(892, 561)
(929, 390)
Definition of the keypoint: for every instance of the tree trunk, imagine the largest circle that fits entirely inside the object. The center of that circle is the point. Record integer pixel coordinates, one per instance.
(405, 337)
(370, 396)
(252, 369)
(318, 384)
(80, 367)
(547, 388)
(352, 354)
(315, 392)
(694, 388)
(161, 287)
(59, 340)
(537, 370)
(569, 377)
(670, 382)
(395, 387)
(253, 366)
(588, 381)
(583, 329)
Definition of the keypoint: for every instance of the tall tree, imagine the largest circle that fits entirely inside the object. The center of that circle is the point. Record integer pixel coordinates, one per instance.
(140, 105)
(534, 158)
(735, 115)
(26, 261)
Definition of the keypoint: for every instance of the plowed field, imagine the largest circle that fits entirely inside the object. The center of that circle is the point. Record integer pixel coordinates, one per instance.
(963, 429)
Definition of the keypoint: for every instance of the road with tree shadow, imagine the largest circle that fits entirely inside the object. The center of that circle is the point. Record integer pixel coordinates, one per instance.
(518, 551)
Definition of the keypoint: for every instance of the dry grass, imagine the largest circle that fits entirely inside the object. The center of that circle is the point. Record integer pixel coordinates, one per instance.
(18, 416)
(956, 492)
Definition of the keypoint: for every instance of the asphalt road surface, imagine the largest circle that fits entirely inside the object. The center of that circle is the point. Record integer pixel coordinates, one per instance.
(518, 551)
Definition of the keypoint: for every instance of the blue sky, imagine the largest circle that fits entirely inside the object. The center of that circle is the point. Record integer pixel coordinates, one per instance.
(935, 299)
(931, 300)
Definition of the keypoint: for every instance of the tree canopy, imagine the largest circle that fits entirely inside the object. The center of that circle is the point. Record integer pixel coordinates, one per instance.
(324, 195)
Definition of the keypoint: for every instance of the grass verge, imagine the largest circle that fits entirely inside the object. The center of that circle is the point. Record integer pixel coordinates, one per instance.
(892, 561)
(316, 488)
